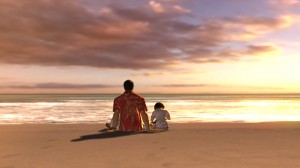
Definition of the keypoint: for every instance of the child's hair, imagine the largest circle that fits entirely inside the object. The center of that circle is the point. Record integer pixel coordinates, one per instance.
(158, 105)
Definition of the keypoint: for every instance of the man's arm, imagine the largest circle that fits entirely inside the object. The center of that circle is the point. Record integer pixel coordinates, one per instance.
(145, 120)
(115, 119)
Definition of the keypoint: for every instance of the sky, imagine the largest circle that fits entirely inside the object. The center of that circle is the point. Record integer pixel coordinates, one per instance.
(164, 46)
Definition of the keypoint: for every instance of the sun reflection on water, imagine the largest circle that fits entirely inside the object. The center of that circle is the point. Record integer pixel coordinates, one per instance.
(188, 109)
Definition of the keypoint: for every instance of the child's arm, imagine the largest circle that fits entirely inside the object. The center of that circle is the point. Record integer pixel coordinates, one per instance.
(168, 115)
(152, 118)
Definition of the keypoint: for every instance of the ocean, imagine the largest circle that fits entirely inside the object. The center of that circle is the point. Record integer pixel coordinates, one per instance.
(183, 108)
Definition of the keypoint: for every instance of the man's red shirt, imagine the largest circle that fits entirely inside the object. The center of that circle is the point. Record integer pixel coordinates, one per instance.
(130, 105)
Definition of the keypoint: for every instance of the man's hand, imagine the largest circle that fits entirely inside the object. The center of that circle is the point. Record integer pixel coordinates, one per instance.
(145, 120)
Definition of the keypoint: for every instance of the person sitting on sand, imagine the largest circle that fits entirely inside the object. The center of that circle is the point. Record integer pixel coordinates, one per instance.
(159, 117)
(129, 108)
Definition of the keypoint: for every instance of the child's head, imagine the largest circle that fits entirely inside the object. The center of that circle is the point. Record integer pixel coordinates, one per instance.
(159, 105)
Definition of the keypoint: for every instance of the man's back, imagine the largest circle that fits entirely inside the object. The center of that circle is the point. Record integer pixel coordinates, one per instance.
(130, 106)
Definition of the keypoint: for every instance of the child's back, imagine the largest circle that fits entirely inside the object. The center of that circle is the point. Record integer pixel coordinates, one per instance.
(160, 116)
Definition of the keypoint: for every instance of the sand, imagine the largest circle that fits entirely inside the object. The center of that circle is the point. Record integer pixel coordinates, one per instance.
(199, 145)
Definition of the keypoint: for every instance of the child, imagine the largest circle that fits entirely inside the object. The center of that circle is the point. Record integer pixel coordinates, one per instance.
(159, 117)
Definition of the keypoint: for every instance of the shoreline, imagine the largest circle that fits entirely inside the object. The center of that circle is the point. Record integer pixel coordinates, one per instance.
(206, 145)
(169, 122)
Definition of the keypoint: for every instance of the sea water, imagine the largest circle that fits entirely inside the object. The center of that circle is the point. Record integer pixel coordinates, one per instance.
(20, 109)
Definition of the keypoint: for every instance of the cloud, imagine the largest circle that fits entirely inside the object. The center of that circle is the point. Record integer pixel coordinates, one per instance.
(291, 7)
(285, 3)
(147, 74)
(160, 8)
(4, 78)
(245, 28)
(56, 86)
(150, 36)
(257, 50)
(181, 9)
(250, 50)
(157, 7)
(185, 85)
(59, 86)
(162, 74)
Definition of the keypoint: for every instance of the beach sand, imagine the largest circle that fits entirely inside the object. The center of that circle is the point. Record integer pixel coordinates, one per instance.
(188, 145)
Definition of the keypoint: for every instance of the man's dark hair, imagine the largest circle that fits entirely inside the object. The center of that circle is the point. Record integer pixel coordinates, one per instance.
(128, 85)
(159, 105)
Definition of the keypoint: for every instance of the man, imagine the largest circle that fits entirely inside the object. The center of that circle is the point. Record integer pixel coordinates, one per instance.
(129, 108)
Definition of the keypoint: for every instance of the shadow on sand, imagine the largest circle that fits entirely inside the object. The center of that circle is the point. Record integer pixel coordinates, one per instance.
(105, 134)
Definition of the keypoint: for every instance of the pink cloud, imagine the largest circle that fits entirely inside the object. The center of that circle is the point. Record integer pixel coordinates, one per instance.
(285, 3)
(157, 7)
(59, 86)
(64, 33)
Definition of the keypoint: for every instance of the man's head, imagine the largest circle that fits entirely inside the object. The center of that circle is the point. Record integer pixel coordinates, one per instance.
(128, 85)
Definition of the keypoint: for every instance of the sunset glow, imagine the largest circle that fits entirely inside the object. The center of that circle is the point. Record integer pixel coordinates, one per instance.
(164, 46)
